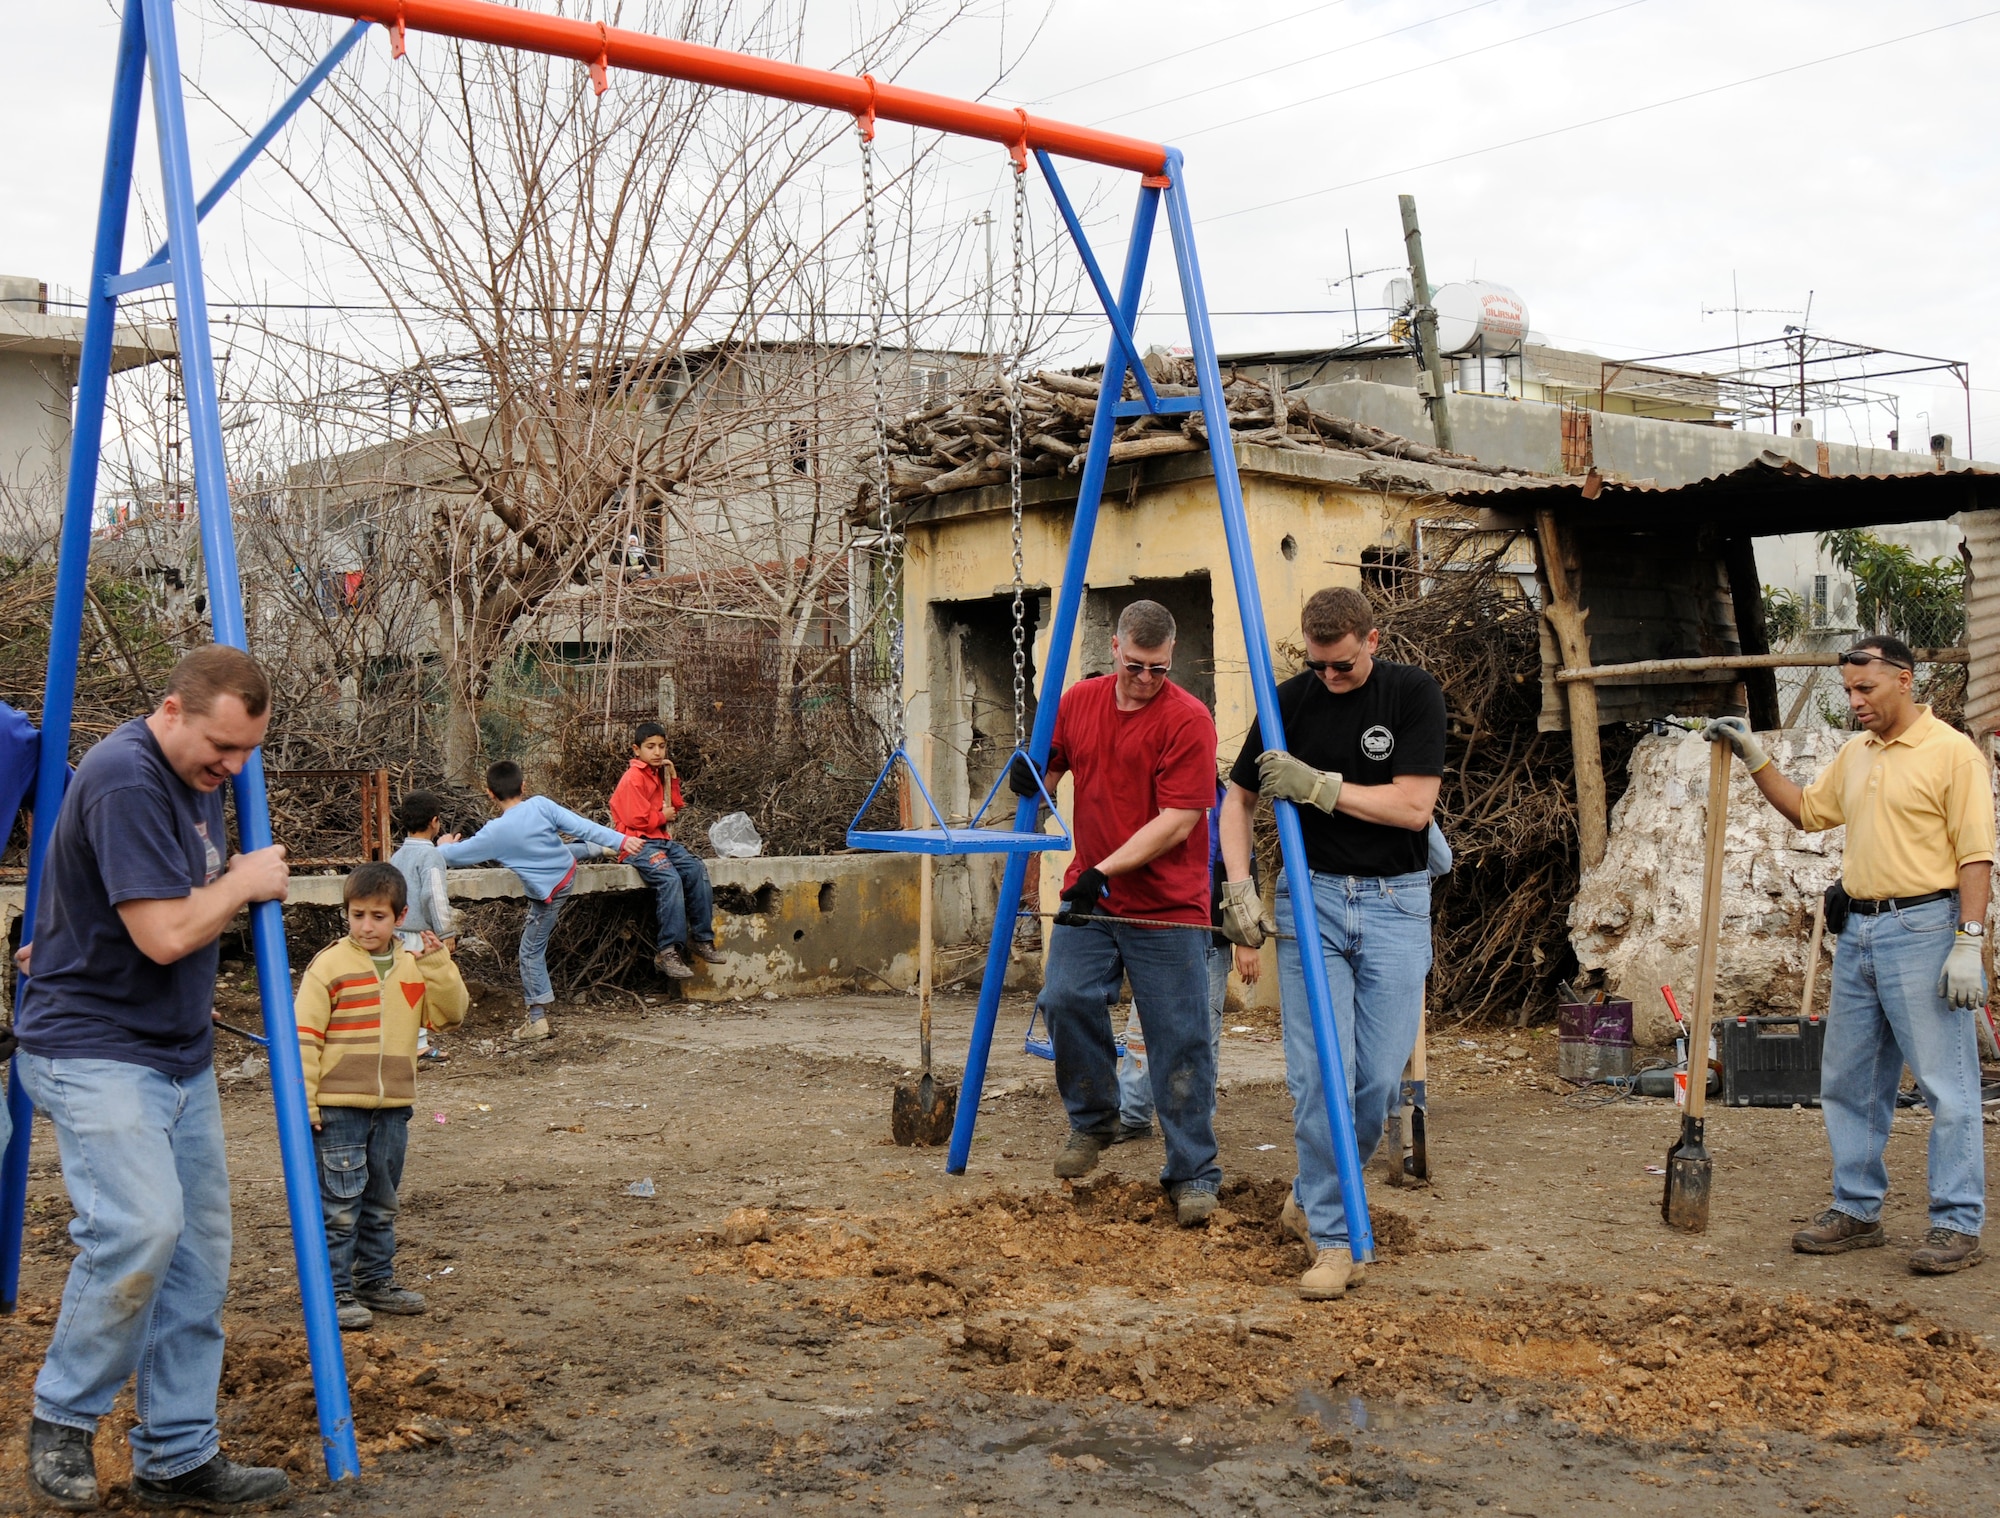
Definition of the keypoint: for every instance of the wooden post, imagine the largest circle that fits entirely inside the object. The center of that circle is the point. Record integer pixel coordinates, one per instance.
(1566, 619)
(1746, 595)
(924, 933)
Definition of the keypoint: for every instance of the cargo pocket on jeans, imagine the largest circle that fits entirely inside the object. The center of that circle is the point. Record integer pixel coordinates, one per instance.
(343, 1171)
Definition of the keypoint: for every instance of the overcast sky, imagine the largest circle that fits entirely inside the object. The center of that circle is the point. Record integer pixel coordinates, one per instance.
(1629, 166)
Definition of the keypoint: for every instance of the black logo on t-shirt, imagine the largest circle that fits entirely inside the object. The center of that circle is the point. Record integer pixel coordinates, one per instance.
(1378, 742)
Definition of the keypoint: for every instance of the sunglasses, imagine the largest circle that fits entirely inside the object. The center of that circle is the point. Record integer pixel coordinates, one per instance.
(1139, 671)
(1864, 657)
(1338, 666)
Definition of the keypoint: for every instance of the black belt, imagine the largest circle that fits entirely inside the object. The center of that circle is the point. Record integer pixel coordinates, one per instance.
(1896, 903)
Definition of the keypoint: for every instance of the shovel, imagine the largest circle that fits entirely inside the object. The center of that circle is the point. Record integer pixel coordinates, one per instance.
(1689, 1169)
(923, 1114)
(1406, 1160)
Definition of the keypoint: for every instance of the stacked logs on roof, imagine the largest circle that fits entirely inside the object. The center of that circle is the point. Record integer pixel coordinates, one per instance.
(964, 444)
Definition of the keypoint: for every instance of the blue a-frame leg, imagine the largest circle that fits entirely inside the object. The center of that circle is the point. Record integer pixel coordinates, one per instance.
(1121, 359)
(147, 39)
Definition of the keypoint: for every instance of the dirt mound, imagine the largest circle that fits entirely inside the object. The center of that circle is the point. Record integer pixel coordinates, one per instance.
(402, 1399)
(1092, 1291)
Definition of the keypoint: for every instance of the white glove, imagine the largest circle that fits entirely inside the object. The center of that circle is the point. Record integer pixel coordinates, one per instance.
(1735, 732)
(1963, 981)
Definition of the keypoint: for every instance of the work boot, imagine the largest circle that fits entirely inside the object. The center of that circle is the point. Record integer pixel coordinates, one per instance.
(1836, 1232)
(1293, 1221)
(348, 1312)
(670, 964)
(387, 1296)
(1331, 1274)
(1193, 1207)
(704, 949)
(221, 1486)
(62, 1470)
(1944, 1251)
(1131, 1133)
(1079, 1156)
(532, 1031)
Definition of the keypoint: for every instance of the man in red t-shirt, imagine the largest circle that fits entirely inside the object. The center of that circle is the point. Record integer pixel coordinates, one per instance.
(1141, 752)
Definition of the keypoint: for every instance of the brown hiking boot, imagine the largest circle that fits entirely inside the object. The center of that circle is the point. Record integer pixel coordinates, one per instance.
(1944, 1251)
(1079, 1156)
(704, 949)
(1293, 1221)
(1836, 1232)
(1331, 1274)
(670, 964)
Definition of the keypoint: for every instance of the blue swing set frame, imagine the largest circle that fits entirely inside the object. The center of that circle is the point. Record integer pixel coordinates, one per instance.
(148, 46)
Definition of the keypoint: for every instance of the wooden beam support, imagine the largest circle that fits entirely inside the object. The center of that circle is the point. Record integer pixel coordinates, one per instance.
(1566, 618)
(1696, 664)
(1746, 594)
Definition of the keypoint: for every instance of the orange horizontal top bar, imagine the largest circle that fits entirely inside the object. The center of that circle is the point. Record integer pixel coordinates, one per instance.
(590, 41)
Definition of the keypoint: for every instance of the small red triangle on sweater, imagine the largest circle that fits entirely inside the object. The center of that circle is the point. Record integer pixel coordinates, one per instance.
(413, 993)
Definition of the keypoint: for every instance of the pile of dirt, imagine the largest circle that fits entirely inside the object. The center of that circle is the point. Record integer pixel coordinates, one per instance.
(402, 1398)
(1093, 1291)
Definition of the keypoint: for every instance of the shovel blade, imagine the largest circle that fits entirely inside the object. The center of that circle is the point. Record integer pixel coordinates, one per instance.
(922, 1115)
(1689, 1174)
(1417, 1163)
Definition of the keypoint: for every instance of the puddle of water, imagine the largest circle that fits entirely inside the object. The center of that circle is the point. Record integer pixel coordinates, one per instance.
(1136, 1454)
(1341, 1415)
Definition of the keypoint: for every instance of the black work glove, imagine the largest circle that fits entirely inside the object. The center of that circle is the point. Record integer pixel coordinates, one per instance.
(1080, 900)
(1021, 778)
(8, 1044)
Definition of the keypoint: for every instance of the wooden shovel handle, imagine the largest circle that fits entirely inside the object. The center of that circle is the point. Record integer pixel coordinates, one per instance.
(1711, 928)
(1812, 957)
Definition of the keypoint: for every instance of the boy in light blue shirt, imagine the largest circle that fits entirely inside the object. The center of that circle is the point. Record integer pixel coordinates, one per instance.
(527, 838)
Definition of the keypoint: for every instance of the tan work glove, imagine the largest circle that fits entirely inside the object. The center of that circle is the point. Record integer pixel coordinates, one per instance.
(1282, 777)
(1243, 920)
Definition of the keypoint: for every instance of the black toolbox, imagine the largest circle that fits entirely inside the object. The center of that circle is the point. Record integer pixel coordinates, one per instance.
(1771, 1061)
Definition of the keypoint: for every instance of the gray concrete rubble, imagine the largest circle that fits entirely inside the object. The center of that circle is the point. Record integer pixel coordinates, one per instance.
(1637, 916)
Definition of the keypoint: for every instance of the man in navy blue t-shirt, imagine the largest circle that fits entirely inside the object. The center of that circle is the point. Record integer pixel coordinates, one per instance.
(117, 1039)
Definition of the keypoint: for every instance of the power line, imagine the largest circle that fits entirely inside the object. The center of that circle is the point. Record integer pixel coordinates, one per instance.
(1292, 63)
(1199, 47)
(1347, 89)
(1577, 126)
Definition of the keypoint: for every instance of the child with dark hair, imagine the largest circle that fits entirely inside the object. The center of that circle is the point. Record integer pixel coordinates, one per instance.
(647, 800)
(527, 837)
(420, 816)
(359, 1007)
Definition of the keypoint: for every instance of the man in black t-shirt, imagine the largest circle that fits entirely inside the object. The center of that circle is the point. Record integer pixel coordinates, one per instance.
(1365, 752)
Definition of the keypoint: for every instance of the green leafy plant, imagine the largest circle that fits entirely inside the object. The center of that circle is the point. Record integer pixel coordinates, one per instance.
(1921, 601)
(1784, 615)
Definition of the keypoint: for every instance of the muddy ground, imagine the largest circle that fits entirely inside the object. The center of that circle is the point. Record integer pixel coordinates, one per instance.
(870, 1334)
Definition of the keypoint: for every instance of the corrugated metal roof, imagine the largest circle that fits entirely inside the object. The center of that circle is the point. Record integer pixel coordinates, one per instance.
(1982, 620)
(1771, 495)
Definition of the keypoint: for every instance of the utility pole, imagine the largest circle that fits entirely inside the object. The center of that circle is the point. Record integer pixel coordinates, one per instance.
(985, 219)
(1426, 325)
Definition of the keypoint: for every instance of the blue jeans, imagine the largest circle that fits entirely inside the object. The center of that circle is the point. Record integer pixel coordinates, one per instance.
(682, 896)
(1375, 937)
(143, 1160)
(360, 1168)
(1885, 1013)
(1135, 1087)
(1170, 990)
(535, 988)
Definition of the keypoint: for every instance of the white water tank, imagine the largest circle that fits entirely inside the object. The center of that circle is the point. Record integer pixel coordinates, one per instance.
(1476, 315)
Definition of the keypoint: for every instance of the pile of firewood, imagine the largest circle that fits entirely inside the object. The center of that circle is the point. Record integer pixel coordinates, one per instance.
(964, 444)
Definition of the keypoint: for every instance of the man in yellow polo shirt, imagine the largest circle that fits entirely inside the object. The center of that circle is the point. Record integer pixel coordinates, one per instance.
(1917, 802)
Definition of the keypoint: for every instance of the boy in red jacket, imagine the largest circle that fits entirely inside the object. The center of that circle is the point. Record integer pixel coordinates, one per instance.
(644, 805)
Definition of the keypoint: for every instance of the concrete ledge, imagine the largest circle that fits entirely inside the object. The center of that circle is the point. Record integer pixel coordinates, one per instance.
(793, 925)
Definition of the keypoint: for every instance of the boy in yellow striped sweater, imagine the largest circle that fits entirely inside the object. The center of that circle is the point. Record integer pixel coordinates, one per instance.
(360, 1004)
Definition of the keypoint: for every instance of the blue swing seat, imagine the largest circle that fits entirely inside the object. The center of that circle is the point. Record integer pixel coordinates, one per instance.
(943, 839)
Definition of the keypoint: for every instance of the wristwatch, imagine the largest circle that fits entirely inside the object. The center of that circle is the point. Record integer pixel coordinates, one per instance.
(1973, 929)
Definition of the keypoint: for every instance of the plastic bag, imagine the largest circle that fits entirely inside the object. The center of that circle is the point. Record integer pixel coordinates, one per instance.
(735, 837)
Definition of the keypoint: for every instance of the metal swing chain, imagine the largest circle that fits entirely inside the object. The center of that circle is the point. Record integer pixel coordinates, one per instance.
(891, 559)
(1016, 345)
